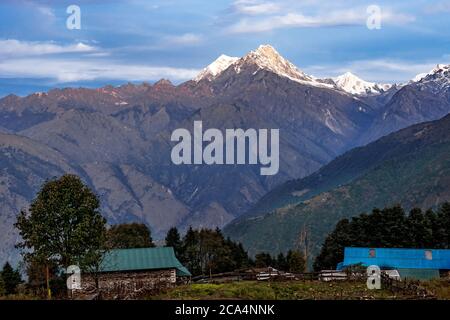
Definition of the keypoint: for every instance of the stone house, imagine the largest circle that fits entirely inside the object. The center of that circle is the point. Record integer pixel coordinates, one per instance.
(133, 273)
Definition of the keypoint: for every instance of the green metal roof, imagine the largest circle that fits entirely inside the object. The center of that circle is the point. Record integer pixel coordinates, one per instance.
(142, 259)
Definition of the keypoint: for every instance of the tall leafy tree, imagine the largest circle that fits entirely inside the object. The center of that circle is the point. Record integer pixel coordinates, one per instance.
(63, 225)
(129, 235)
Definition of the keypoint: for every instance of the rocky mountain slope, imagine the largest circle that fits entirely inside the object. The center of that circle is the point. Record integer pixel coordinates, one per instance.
(411, 167)
(423, 100)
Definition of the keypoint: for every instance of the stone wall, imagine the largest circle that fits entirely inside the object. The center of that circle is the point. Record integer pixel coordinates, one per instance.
(125, 285)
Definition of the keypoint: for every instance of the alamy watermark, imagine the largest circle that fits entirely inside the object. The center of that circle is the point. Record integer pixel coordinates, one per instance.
(373, 277)
(74, 277)
(236, 146)
(373, 22)
(73, 22)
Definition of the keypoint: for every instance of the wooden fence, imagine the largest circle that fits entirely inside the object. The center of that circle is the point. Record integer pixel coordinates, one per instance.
(407, 287)
(274, 276)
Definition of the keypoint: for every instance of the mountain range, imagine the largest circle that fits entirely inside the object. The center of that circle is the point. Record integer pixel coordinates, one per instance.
(118, 138)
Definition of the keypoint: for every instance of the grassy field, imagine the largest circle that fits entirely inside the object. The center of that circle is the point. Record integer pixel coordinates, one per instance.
(441, 288)
(292, 290)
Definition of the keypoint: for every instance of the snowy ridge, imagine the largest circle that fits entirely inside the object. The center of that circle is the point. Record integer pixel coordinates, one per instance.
(352, 84)
(214, 69)
(436, 81)
(436, 70)
(266, 58)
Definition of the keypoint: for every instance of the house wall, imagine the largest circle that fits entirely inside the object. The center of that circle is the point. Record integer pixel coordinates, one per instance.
(125, 285)
(399, 257)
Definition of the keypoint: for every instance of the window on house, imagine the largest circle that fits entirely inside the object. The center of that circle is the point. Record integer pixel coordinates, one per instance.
(372, 253)
(428, 255)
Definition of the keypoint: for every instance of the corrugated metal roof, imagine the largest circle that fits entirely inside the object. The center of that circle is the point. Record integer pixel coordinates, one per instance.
(398, 257)
(142, 259)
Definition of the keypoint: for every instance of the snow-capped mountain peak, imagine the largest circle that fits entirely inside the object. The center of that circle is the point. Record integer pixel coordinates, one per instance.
(438, 69)
(266, 57)
(355, 85)
(436, 81)
(215, 68)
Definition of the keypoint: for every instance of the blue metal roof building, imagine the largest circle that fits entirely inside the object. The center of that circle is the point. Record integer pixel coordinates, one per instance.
(426, 262)
(398, 258)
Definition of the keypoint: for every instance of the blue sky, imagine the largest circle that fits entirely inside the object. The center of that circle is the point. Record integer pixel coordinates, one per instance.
(145, 40)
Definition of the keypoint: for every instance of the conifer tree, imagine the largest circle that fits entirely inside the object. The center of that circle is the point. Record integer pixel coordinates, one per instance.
(10, 279)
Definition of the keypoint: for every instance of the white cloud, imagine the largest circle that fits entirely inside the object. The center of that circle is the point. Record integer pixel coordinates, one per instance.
(68, 70)
(46, 11)
(255, 7)
(185, 39)
(338, 17)
(21, 59)
(12, 47)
